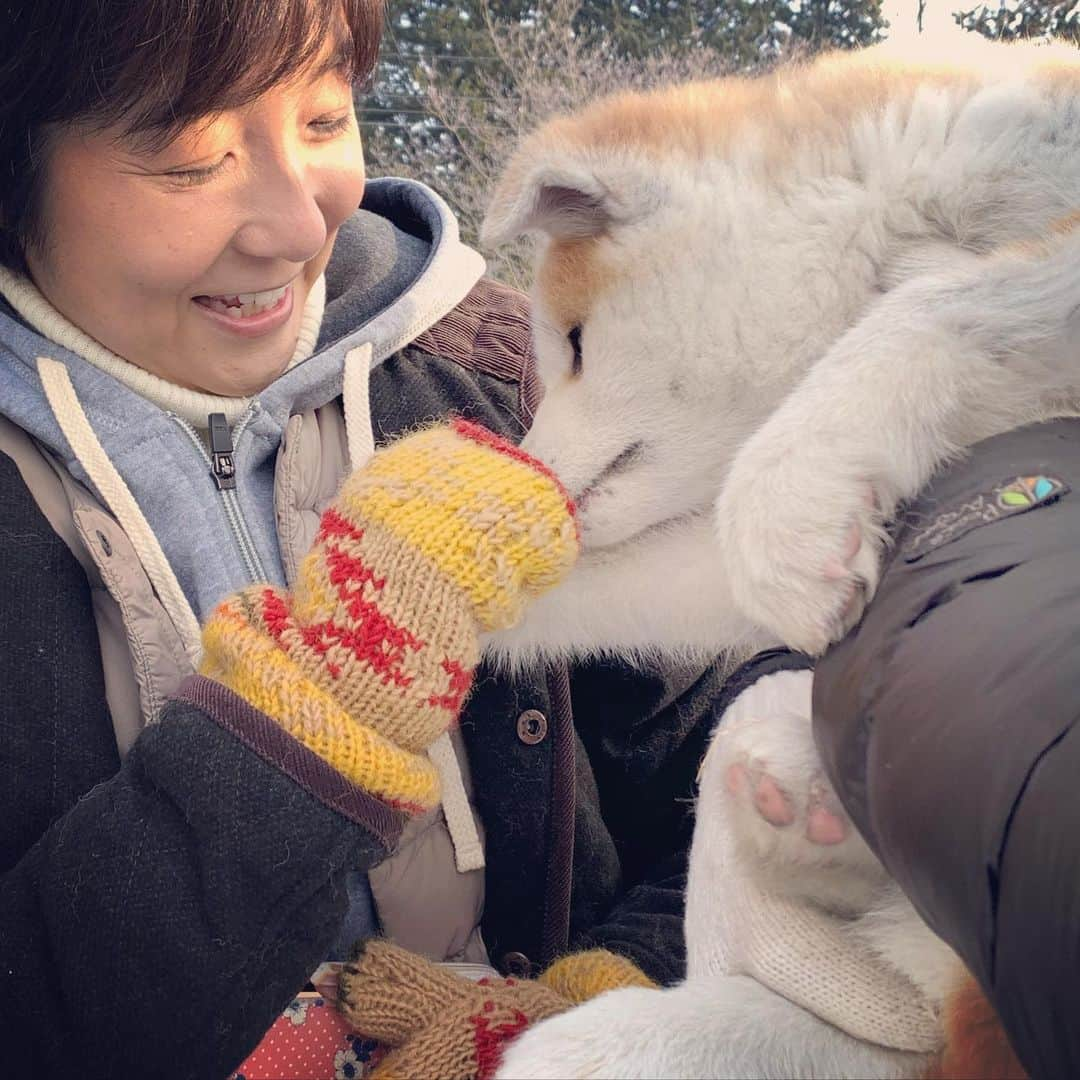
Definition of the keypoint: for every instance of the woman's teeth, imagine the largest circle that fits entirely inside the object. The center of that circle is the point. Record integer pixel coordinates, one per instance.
(244, 305)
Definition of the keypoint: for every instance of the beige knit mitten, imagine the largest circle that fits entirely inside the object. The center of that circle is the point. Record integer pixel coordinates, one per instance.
(442, 1025)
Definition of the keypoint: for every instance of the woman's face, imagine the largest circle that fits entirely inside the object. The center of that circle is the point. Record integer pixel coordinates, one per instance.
(157, 254)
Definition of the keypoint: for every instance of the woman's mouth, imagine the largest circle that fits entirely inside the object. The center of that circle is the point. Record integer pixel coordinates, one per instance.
(249, 313)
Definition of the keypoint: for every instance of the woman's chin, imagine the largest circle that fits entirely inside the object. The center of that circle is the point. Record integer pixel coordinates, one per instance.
(244, 381)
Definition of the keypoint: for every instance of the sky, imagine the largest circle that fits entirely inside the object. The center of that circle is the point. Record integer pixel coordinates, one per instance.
(937, 21)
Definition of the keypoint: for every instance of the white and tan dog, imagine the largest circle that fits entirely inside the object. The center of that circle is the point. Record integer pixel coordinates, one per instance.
(766, 311)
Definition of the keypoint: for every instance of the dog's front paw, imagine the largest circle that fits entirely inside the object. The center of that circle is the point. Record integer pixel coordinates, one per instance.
(800, 537)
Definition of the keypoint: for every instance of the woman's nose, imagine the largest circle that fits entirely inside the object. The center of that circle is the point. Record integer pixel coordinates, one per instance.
(284, 219)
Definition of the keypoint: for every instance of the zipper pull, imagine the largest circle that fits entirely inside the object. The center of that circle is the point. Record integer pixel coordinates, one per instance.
(222, 468)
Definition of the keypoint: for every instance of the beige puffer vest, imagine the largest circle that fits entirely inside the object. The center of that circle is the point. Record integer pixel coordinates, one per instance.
(423, 901)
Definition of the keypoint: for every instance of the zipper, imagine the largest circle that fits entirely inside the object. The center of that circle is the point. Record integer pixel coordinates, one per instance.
(222, 467)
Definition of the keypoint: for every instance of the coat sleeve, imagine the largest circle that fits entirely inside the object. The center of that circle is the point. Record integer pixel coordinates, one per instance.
(155, 915)
(948, 723)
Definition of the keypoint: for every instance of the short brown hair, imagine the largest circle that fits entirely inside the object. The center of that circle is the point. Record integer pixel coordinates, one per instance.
(150, 67)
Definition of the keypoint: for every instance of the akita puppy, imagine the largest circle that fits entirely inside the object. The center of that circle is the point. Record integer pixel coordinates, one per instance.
(766, 311)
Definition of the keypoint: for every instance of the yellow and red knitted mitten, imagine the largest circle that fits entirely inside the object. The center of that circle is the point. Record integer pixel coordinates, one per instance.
(442, 1025)
(444, 534)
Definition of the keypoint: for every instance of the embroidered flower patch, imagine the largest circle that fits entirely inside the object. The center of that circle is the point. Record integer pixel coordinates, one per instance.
(1015, 495)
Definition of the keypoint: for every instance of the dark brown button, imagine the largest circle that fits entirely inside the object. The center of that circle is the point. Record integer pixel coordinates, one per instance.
(532, 727)
(516, 963)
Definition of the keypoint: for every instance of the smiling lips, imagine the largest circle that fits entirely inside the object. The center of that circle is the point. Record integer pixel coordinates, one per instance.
(244, 305)
(249, 314)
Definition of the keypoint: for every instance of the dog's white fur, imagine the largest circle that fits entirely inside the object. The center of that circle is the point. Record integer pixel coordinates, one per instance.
(799, 296)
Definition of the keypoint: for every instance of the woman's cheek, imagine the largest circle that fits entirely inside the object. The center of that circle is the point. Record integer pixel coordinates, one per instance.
(345, 189)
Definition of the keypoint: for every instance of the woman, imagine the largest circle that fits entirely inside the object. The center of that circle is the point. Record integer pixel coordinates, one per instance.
(199, 334)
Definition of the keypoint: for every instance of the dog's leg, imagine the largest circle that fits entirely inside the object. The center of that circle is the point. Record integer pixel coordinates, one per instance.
(608, 604)
(936, 365)
(718, 1026)
(820, 924)
(763, 777)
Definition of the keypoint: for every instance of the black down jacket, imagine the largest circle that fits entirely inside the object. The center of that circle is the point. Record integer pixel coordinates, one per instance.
(948, 723)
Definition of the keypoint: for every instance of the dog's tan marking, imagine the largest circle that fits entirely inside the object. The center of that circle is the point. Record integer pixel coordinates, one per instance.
(572, 275)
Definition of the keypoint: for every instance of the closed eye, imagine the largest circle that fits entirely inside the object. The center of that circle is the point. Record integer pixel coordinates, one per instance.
(192, 177)
(573, 335)
(332, 125)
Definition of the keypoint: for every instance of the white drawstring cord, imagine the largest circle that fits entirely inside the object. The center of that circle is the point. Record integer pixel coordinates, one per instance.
(88, 451)
(468, 851)
(356, 398)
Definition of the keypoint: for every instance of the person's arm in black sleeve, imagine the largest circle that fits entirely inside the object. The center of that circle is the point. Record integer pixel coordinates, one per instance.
(160, 925)
(169, 913)
(948, 723)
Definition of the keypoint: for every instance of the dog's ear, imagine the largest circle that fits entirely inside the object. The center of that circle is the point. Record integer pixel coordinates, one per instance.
(567, 191)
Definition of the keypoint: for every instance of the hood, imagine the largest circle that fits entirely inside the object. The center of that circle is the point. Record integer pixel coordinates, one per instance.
(398, 266)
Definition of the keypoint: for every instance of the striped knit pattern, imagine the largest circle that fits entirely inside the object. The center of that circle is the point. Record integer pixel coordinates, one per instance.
(493, 519)
(240, 653)
(371, 657)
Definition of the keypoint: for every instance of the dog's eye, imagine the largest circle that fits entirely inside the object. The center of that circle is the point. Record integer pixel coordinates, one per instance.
(573, 335)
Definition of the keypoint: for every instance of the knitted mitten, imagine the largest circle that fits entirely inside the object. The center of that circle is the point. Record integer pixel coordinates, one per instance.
(581, 976)
(444, 534)
(445, 1026)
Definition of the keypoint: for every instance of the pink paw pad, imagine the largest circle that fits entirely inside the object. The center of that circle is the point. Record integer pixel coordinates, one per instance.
(737, 779)
(823, 825)
(772, 804)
